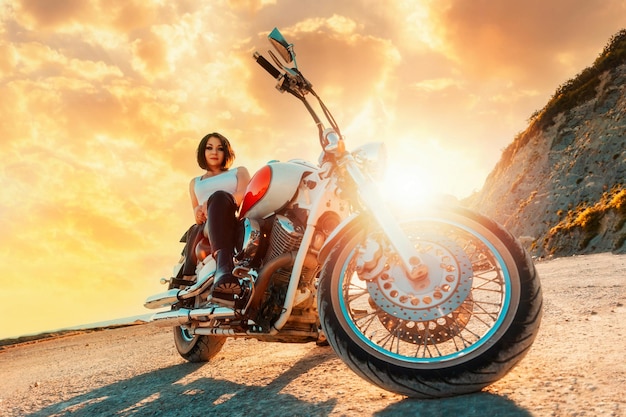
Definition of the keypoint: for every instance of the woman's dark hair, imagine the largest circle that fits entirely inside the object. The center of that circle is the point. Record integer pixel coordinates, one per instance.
(229, 154)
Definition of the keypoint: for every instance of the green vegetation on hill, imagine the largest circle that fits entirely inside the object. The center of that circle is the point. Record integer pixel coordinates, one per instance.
(582, 88)
(560, 184)
(586, 219)
(570, 94)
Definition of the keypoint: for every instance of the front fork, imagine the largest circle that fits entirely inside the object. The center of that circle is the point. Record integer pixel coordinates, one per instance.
(414, 266)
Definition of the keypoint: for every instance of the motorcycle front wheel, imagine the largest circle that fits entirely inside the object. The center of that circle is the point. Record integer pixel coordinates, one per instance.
(459, 330)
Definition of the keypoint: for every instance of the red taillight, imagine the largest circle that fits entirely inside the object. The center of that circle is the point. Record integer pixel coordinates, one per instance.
(256, 189)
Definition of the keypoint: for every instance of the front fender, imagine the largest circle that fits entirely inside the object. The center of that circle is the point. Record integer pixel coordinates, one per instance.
(351, 224)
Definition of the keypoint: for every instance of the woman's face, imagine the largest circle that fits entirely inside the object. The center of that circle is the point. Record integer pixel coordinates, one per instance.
(214, 153)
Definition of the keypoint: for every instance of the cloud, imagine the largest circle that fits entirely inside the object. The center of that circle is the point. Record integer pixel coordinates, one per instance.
(48, 15)
(149, 53)
(249, 6)
(436, 84)
(79, 16)
(104, 102)
(511, 39)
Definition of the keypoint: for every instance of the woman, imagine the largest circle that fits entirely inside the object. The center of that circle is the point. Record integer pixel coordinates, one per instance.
(215, 196)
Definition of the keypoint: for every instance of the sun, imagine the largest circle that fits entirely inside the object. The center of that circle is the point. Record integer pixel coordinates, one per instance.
(411, 182)
(406, 185)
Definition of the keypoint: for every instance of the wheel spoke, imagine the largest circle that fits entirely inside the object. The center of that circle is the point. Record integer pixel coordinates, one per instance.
(388, 320)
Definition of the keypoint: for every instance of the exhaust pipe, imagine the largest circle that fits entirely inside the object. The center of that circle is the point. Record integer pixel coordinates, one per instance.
(171, 318)
(185, 316)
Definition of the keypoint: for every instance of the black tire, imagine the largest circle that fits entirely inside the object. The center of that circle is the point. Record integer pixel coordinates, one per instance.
(465, 344)
(197, 348)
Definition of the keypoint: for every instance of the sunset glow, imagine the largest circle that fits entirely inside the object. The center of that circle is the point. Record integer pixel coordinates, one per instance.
(104, 102)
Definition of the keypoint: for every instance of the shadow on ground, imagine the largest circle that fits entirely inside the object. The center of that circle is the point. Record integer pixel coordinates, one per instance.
(479, 405)
(160, 393)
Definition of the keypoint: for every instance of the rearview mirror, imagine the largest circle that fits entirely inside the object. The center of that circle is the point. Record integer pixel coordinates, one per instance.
(284, 49)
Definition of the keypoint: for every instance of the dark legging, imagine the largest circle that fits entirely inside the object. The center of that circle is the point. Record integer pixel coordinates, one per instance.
(192, 238)
(221, 223)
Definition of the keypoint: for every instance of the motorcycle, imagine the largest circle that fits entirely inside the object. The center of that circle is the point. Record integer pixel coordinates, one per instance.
(442, 303)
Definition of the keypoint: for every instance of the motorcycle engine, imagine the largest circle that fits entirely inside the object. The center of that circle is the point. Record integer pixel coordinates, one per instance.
(284, 237)
(250, 238)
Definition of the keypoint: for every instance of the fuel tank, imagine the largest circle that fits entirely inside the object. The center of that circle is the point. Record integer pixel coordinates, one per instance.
(272, 187)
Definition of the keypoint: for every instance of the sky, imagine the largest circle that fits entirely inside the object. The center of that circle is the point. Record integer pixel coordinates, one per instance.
(103, 102)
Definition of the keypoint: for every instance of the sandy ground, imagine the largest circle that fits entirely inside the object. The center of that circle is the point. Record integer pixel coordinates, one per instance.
(575, 368)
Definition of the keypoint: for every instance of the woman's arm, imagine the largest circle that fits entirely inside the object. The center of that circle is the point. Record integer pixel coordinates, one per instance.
(243, 178)
(199, 210)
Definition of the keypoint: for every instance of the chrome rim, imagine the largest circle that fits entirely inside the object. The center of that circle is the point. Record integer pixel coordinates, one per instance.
(186, 335)
(449, 317)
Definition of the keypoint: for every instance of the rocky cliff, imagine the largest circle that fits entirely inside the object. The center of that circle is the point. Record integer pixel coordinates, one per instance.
(559, 186)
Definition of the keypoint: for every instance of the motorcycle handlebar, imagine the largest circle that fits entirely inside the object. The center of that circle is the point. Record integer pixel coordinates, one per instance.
(260, 59)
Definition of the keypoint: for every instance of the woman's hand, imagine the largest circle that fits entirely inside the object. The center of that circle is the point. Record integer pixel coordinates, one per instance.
(200, 213)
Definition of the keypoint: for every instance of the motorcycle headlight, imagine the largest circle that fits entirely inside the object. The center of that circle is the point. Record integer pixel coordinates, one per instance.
(373, 159)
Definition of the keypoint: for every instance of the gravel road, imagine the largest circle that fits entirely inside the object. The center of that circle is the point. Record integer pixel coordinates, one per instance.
(575, 368)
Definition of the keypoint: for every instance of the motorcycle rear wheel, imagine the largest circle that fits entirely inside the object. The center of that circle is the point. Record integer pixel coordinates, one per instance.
(197, 348)
(459, 346)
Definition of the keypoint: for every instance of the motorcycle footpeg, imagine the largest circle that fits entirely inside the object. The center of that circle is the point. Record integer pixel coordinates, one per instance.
(241, 271)
(175, 282)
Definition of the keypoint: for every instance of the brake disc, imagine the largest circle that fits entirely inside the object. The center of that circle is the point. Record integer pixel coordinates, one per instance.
(432, 331)
(442, 292)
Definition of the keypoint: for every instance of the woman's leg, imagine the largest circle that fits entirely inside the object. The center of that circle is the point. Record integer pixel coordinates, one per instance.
(221, 225)
(193, 236)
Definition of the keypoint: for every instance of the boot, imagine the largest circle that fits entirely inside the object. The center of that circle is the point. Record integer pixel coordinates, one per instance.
(221, 225)
(225, 284)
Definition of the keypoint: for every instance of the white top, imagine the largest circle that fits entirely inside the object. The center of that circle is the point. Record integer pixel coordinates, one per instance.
(204, 188)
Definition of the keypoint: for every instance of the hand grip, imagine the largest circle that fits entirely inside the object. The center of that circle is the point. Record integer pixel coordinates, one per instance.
(260, 59)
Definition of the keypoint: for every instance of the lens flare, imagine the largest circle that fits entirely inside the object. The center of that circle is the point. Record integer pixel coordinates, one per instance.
(406, 186)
